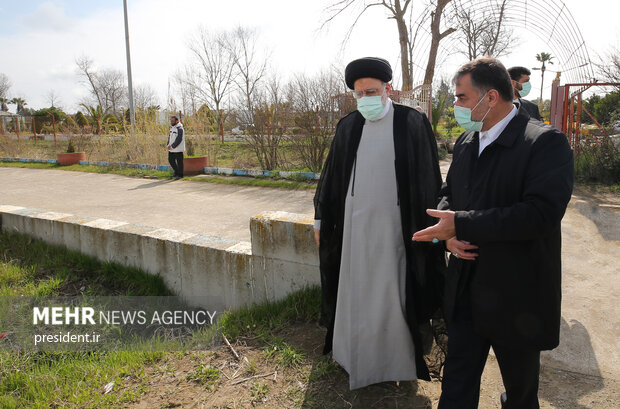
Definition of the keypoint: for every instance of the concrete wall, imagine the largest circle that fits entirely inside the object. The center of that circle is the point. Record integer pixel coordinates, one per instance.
(224, 273)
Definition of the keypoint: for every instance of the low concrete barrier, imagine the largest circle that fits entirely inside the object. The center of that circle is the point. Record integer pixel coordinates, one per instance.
(280, 259)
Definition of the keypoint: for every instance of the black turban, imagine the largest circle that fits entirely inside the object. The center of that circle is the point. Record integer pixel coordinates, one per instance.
(367, 67)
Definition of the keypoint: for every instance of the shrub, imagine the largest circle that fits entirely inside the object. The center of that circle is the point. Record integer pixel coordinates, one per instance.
(598, 161)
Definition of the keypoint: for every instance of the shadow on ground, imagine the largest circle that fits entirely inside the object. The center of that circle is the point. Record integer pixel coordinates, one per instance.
(152, 184)
(574, 342)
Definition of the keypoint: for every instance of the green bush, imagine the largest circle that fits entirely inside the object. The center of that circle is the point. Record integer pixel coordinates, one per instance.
(598, 161)
(80, 119)
(70, 123)
(70, 147)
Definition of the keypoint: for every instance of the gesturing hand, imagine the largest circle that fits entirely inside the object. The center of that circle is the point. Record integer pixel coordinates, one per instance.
(442, 231)
(461, 249)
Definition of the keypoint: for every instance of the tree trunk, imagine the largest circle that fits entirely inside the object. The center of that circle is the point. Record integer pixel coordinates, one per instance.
(436, 37)
(403, 39)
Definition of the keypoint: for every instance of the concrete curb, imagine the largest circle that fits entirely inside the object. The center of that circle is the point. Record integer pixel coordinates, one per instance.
(257, 173)
(227, 274)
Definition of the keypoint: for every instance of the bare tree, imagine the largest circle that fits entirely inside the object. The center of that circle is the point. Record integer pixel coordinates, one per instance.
(215, 70)
(250, 67)
(184, 81)
(608, 67)
(145, 96)
(407, 30)
(107, 87)
(113, 88)
(52, 98)
(436, 36)
(483, 32)
(5, 85)
(319, 102)
(397, 10)
(272, 115)
(85, 68)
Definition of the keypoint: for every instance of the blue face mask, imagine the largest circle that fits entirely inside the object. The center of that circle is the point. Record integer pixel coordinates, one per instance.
(371, 108)
(525, 89)
(463, 117)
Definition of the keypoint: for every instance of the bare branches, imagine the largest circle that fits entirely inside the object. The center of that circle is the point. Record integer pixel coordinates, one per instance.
(250, 65)
(107, 87)
(52, 98)
(145, 96)
(215, 70)
(482, 31)
(85, 67)
(397, 12)
(5, 85)
(608, 66)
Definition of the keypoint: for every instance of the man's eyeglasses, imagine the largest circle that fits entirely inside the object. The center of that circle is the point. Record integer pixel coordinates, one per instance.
(371, 92)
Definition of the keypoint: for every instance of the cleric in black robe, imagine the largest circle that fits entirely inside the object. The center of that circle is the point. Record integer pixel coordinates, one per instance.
(506, 192)
(406, 160)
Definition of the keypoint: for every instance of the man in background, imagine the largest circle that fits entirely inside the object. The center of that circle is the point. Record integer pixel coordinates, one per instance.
(520, 78)
(176, 146)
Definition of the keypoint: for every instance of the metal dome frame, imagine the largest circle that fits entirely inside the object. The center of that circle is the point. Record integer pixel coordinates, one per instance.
(549, 20)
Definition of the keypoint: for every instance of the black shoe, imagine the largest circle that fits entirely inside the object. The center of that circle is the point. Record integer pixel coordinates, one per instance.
(503, 398)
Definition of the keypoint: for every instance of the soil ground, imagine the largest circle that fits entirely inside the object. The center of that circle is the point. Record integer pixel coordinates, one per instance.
(318, 383)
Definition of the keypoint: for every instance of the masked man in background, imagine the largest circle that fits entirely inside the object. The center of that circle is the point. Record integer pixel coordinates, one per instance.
(520, 78)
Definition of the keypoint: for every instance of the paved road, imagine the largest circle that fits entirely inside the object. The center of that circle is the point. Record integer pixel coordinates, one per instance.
(208, 208)
(591, 239)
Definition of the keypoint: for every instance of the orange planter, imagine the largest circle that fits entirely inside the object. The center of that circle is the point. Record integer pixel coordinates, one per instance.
(195, 166)
(70, 158)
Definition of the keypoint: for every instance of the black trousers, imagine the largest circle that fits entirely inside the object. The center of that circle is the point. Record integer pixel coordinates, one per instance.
(176, 162)
(467, 355)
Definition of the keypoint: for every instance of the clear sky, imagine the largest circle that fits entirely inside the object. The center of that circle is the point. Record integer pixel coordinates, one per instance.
(41, 39)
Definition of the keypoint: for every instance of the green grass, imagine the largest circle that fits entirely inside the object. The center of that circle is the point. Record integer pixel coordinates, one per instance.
(166, 175)
(453, 135)
(30, 267)
(205, 375)
(260, 320)
(76, 379)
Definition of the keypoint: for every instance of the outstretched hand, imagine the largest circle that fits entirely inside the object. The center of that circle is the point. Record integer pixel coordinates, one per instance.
(443, 230)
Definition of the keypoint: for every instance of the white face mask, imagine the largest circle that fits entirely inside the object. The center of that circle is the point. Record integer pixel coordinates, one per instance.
(371, 108)
(463, 117)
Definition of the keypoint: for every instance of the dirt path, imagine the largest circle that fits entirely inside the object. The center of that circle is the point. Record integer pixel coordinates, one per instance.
(314, 383)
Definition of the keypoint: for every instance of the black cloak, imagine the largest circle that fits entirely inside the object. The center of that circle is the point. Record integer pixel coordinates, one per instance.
(418, 182)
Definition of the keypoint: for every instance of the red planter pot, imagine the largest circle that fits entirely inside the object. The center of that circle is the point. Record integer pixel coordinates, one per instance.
(70, 158)
(195, 166)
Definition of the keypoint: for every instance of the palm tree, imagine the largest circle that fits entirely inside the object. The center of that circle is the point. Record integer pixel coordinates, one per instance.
(543, 58)
(96, 115)
(20, 102)
(3, 102)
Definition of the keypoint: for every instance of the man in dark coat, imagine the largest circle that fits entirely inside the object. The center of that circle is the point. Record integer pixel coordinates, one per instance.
(379, 288)
(501, 207)
(520, 78)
